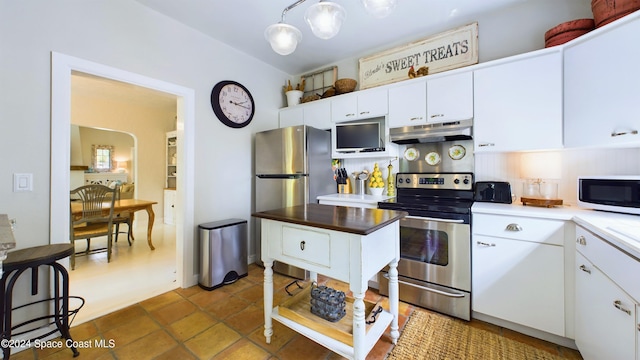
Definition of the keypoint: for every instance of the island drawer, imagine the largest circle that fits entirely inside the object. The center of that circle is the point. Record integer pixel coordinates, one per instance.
(313, 247)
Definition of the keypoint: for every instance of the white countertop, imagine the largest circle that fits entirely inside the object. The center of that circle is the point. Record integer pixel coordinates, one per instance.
(557, 213)
(621, 230)
(353, 198)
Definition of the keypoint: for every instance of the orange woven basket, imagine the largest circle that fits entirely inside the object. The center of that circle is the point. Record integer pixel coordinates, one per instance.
(345, 86)
(606, 11)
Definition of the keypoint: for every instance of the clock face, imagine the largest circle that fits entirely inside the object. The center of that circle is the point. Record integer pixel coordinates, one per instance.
(232, 103)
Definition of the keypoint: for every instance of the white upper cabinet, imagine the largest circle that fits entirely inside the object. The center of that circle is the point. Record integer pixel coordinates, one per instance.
(518, 103)
(291, 116)
(359, 105)
(316, 114)
(602, 106)
(408, 105)
(432, 100)
(450, 98)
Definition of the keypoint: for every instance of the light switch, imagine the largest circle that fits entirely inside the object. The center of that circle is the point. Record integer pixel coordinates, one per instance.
(22, 182)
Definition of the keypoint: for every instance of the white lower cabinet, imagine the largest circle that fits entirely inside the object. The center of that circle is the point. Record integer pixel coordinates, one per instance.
(169, 207)
(606, 310)
(603, 331)
(518, 272)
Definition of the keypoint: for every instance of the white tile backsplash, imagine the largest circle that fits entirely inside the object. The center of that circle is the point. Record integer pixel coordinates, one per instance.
(506, 167)
(359, 164)
(575, 162)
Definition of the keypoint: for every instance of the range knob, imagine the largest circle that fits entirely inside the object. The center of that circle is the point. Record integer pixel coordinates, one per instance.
(456, 181)
(466, 181)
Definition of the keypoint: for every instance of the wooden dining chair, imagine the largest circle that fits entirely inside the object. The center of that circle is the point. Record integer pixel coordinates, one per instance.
(95, 220)
(122, 218)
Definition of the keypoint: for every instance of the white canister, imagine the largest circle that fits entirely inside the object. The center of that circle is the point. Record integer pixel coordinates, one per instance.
(293, 97)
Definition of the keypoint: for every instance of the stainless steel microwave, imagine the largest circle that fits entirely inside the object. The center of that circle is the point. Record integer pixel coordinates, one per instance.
(610, 193)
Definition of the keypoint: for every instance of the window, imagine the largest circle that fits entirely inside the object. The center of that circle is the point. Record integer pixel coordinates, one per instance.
(102, 160)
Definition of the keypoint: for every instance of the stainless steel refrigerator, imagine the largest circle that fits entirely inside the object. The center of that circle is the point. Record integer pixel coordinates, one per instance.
(293, 167)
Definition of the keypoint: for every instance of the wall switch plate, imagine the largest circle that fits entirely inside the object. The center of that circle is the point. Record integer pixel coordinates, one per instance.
(22, 182)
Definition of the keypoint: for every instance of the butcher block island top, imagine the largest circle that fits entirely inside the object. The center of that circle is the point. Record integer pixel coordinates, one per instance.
(349, 244)
(352, 220)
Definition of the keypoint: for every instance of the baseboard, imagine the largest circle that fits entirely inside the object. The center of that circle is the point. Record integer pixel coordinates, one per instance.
(560, 340)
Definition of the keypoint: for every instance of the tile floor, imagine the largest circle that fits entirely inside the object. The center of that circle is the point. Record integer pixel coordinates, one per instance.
(226, 323)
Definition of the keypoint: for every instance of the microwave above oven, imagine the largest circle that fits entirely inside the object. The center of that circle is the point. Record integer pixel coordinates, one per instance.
(610, 193)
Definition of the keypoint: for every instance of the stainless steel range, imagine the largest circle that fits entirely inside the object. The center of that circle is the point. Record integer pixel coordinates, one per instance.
(435, 239)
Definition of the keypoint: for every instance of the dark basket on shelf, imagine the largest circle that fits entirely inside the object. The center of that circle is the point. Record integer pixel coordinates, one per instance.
(328, 303)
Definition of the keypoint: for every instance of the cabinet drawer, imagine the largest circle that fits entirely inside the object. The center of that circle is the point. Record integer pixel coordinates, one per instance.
(519, 228)
(617, 265)
(312, 247)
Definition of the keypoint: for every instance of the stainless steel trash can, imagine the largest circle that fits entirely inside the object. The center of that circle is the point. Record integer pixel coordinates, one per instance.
(223, 252)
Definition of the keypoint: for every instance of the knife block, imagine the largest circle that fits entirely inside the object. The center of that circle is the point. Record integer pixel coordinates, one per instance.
(345, 188)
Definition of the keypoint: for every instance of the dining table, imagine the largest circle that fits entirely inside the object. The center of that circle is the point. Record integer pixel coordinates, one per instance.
(126, 205)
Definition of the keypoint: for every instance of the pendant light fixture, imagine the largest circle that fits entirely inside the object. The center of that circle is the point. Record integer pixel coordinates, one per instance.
(284, 38)
(325, 19)
(379, 8)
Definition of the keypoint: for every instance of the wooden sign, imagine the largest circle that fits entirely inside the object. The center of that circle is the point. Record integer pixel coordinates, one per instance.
(445, 51)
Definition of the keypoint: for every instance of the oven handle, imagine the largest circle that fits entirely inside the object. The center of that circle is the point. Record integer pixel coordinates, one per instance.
(457, 221)
(386, 275)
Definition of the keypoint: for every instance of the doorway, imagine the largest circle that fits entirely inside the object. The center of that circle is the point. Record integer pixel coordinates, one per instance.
(62, 68)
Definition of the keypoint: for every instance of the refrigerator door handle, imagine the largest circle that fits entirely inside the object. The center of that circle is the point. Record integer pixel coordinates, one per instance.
(281, 176)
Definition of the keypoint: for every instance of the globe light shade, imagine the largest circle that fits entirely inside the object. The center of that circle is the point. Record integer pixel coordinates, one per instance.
(283, 38)
(379, 8)
(325, 19)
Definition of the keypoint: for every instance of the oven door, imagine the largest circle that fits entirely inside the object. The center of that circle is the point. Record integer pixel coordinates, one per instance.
(436, 251)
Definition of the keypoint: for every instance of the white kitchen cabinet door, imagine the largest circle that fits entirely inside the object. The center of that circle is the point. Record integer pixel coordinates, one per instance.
(518, 104)
(450, 98)
(605, 316)
(317, 114)
(344, 107)
(359, 105)
(291, 116)
(601, 88)
(408, 105)
(373, 102)
(169, 207)
(519, 281)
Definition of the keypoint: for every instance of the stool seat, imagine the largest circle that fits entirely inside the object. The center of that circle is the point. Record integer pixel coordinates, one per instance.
(36, 256)
(14, 266)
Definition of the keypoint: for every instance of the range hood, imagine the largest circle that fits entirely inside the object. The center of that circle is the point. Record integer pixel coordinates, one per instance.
(437, 132)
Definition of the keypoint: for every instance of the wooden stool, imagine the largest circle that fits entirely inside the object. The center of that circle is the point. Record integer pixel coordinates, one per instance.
(18, 262)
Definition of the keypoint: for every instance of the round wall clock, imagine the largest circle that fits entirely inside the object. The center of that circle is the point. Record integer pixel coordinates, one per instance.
(232, 103)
